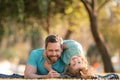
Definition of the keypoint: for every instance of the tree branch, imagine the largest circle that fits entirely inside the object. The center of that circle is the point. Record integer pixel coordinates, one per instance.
(93, 4)
(102, 5)
(87, 5)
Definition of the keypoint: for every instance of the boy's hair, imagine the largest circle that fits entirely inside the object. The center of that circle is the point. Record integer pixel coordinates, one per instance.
(80, 74)
(53, 39)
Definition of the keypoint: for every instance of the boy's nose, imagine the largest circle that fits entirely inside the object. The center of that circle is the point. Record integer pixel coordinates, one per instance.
(76, 60)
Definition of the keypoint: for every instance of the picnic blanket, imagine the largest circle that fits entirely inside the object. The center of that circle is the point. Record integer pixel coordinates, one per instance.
(108, 76)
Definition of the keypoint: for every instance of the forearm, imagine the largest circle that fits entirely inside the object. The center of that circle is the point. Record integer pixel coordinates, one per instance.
(33, 76)
(51, 74)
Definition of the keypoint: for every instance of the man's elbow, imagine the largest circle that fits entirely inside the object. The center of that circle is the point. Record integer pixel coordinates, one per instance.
(26, 75)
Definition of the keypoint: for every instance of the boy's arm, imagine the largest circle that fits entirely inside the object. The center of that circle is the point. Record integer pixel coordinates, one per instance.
(48, 66)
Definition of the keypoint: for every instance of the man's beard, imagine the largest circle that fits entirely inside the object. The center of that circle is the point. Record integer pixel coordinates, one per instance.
(52, 59)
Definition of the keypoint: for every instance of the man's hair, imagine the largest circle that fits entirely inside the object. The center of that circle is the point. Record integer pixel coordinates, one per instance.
(53, 39)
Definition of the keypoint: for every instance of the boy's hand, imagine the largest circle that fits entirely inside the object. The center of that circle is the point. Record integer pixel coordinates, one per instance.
(53, 74)
(48, 66)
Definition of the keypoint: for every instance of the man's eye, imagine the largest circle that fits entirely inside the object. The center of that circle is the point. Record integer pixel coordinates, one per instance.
(50, 50)
(57, 50)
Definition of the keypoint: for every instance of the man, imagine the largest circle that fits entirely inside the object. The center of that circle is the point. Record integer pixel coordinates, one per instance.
(52, 52)
(70, 48)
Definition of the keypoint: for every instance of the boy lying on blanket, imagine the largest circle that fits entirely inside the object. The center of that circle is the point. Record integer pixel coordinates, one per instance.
(77, 64)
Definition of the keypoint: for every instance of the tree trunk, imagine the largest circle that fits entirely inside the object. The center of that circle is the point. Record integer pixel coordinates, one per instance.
(67, 35)
(90, 8)
(101, 47)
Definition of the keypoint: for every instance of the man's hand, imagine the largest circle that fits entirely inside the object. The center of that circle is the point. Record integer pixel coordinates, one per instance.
(52, 74)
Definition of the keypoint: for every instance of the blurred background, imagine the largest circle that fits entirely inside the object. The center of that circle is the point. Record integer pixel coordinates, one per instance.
(24, 25)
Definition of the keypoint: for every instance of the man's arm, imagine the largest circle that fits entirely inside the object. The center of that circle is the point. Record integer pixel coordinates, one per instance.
(30, 72)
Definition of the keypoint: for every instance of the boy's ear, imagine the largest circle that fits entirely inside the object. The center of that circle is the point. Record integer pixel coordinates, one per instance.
(64, 46)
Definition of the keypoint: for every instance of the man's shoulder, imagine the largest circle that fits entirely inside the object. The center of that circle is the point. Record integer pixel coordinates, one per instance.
(37, 51)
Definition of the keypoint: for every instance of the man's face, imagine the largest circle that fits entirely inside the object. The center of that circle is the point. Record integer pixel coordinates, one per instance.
(53, 51)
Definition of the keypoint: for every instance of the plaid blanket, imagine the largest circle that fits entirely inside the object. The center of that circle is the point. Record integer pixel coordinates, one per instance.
(108, 76)
(11, 76)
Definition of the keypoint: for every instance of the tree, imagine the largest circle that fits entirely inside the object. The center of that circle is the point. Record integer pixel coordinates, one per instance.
(93, 12)
(1, 32)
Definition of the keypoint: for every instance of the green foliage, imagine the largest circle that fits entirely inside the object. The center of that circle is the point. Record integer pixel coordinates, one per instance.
(43, 6)
(1, 32)
(59, 6)
(31, 8)
(110, 27)
(111, 36)
(8, 8)
(21, 7)
(73, 17)
(114, 39)
(9, 54)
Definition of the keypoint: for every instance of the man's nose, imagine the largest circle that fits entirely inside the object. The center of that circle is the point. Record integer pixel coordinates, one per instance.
(54, 53)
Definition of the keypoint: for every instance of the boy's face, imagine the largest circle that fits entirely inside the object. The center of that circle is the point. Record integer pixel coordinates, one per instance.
(77, 63)
(53, 51)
